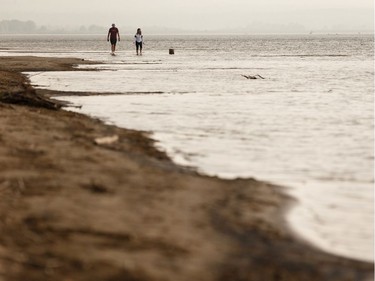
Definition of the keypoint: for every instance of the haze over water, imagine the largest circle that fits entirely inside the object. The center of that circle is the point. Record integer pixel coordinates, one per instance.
(308, 125)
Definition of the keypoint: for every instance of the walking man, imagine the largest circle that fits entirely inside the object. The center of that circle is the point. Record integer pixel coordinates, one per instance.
(113, 35)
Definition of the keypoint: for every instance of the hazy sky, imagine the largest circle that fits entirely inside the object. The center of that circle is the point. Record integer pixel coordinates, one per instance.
(191, 14)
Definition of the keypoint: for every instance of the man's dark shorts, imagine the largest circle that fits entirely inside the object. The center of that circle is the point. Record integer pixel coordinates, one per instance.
(113, 41)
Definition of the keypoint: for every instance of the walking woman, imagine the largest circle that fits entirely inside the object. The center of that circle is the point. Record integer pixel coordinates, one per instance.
(138, 40)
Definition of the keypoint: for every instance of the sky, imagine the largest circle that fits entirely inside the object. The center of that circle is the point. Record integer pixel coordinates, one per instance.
(192, 14)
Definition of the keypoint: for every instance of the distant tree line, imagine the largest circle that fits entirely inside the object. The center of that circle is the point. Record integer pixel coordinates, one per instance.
(30, 27)
(16, 26)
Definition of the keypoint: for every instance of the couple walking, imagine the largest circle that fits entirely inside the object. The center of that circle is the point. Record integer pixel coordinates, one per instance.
(114, 35)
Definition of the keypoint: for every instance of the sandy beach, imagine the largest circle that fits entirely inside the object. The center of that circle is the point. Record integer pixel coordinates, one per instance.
(74, 207)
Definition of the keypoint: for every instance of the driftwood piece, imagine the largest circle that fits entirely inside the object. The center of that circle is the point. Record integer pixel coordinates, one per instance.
(252, 76)
(106, 140)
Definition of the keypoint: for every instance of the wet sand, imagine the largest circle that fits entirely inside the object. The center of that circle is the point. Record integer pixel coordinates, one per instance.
(74, 209)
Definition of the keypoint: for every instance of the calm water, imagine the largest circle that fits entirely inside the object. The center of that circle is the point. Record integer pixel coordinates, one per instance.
(308, 125)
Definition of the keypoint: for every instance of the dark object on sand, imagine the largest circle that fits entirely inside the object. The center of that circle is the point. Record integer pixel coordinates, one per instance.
(252, 77)
(171, 51)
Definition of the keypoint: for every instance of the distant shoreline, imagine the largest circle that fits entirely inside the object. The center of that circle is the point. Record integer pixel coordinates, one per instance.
(204, 33)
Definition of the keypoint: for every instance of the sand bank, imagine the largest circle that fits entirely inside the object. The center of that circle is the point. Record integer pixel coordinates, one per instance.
(73, 209)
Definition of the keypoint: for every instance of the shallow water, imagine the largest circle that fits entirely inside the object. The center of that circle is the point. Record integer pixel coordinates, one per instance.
(308, 125)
